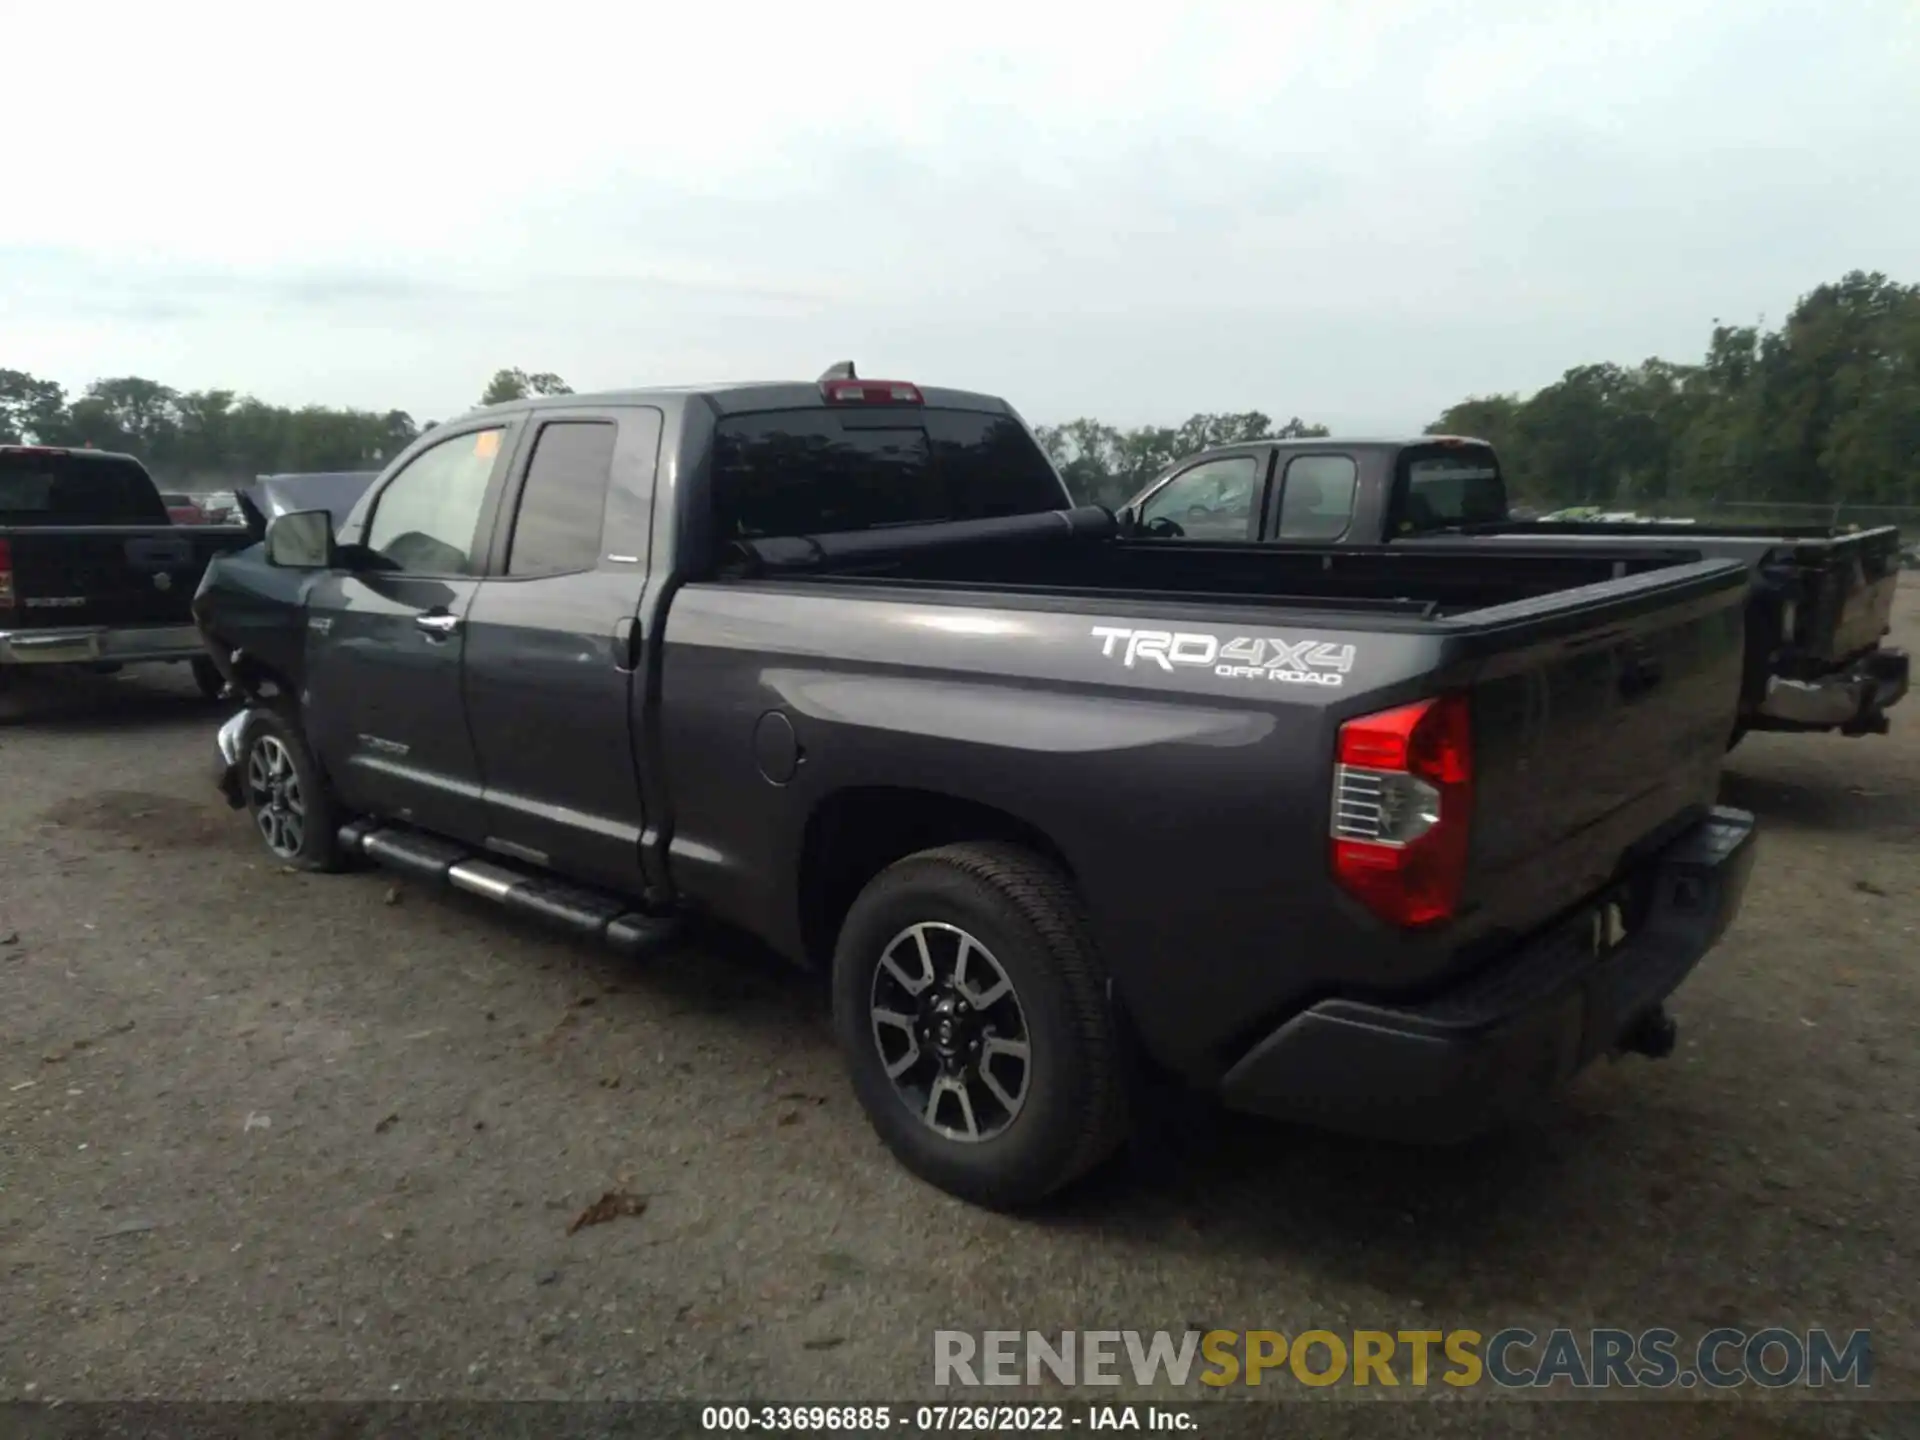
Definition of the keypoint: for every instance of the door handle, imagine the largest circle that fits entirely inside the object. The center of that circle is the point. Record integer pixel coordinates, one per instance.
(626, 644)
(437, 624)
(1640, 672)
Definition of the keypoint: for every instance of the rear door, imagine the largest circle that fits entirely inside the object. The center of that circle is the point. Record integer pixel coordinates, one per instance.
(552, 647)
(1312, 496)
(386, 634)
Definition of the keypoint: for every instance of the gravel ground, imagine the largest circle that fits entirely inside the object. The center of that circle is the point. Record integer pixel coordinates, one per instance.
(266, 1135)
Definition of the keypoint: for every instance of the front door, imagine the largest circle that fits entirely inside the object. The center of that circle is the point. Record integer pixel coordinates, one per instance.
(387, 637)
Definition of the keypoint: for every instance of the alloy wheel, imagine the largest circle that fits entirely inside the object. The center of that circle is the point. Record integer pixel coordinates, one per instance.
(273, 794)
(951, 1032)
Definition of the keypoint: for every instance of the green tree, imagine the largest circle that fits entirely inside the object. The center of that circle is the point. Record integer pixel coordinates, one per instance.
(128, 413)
(30, 408)
(518, 385)
(1824, 408)
(204, 430)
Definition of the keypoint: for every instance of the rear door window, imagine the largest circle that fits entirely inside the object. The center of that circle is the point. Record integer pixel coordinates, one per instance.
(556, 530)
(800, 472)
(1316, 502)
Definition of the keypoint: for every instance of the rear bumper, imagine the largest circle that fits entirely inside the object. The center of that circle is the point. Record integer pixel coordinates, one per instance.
(100, 644)
(1497, 1045)
(1853, 700)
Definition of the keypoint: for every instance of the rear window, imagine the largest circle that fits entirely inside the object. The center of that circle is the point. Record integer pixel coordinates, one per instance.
(1439, 489)
(801, 472)
(40, 489)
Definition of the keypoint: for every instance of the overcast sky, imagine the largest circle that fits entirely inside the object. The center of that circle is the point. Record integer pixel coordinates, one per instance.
(1355, 212)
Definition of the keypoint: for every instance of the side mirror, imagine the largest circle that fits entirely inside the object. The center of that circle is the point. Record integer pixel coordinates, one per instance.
(302, 540)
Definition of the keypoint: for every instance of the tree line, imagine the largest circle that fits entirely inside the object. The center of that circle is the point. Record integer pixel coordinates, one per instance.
(1823, 408)
(213, 439)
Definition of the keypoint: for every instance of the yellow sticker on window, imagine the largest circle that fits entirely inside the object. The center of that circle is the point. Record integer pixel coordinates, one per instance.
(486, 444)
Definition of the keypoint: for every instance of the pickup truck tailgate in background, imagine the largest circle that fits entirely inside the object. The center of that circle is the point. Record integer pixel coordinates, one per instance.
(1594, 748)
(105, 576)
(1852, 583)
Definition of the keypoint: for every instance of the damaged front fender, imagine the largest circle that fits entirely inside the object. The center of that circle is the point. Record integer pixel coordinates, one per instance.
(231, 742)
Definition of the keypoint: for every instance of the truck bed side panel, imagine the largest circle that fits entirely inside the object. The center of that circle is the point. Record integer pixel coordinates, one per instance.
(1190, 799)
(1190, 806)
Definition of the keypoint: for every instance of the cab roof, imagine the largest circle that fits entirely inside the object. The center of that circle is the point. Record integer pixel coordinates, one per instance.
(744, 397)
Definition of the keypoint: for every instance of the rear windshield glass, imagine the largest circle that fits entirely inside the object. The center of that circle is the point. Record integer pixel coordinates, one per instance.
(811, 472)
(1454, 487)
(38, 489)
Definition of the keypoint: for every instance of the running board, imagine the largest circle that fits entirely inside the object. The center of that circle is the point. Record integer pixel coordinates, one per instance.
(573, 908)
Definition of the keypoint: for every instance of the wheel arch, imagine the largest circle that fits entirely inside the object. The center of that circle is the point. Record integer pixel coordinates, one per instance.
(855, 833)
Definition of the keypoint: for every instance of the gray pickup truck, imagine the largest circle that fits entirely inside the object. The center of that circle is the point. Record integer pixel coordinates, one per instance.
(1390, 841)
(94, 572)
(1820, 606)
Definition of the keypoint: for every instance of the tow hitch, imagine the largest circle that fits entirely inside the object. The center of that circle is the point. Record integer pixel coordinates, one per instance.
(1653, 1034)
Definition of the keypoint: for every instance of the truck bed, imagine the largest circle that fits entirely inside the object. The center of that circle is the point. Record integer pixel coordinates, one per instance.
(1841, 584)
(1043, 672)
(1431, 581)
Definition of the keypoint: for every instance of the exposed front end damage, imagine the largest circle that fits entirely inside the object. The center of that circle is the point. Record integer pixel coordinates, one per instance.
(232, 742)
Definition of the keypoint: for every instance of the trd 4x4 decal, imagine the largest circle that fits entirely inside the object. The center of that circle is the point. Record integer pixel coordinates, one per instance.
(1247, 657)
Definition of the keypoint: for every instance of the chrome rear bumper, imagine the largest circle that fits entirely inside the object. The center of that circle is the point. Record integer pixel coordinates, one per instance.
(1854, 700)
(100, 644)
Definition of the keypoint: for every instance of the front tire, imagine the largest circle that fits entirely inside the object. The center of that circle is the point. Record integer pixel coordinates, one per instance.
(287, 797)
(973, 1014)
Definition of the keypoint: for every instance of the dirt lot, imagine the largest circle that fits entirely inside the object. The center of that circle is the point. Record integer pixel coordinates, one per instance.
(267, 1135)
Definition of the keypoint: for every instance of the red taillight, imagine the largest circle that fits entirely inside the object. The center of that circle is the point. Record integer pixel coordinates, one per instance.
(870, 392)
(6, 576)
(1402, 797)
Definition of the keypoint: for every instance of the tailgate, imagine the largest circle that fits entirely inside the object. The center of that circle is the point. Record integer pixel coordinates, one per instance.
(1846, 589)
(103, 575)
(1597, 744)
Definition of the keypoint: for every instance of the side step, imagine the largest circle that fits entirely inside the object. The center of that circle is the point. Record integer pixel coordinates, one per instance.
(569, 907)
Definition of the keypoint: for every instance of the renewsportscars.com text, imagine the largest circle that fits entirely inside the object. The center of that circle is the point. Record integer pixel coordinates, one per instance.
(1514, 1358)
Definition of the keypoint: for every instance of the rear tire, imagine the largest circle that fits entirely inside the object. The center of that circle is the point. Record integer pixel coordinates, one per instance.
(208, 677)
(286, 794)
(969, 971)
